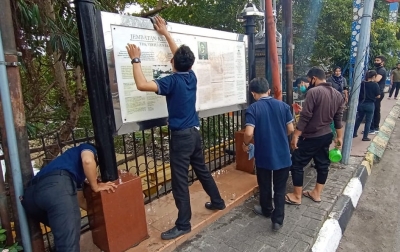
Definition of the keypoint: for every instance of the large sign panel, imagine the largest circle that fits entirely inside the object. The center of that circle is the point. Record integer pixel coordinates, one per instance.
(220, 68)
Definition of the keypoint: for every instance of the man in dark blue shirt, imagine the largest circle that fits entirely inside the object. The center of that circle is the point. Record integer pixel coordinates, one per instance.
(52, 197)
(270, 121)
(185, 146)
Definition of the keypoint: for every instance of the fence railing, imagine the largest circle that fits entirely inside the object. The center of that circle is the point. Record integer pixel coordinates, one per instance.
(146, 154)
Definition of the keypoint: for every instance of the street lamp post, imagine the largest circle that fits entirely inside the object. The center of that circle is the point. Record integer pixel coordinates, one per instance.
(249, 16)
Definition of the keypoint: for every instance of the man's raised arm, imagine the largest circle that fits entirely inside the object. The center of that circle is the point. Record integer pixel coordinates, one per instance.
(161, 27)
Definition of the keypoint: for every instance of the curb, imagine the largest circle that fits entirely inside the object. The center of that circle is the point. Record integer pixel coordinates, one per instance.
(332, 230)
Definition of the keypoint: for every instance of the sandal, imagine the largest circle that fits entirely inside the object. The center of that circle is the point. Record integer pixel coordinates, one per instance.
(308, 195)
(291, 202)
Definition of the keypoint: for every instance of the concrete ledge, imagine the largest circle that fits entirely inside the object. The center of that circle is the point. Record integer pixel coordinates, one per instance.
(379, 143)
(362, 174)
(342, 211)
(368, 162)
(331, 233)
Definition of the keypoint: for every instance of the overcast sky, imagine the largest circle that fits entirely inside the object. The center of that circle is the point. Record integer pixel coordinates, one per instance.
(134, 8)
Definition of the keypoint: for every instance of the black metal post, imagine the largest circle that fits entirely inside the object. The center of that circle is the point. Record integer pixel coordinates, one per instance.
(251, 32)
(98, 85)
(250, 26)
(287, 50)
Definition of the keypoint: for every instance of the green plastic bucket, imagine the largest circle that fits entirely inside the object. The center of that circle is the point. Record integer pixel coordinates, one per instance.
(335, 155)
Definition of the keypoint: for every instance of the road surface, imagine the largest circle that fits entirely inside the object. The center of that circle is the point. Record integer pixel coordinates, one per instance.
(375, 225)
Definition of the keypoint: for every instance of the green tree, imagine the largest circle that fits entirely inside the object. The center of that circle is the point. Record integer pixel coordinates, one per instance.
(322, 32)
(332, 43)
(384, 42)
(52, 75)
(220, 15)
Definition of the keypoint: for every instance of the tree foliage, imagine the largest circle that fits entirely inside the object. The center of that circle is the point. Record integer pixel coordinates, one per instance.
(220, 15)
(322, 31)
(53, 81)
(384, 42)
(332, 42)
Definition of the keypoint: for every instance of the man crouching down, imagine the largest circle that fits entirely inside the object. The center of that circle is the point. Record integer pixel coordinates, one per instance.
(53, 199)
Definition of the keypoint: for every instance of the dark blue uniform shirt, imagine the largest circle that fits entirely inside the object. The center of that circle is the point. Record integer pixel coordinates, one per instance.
(70, 161)
(180, 91)
(270, 117)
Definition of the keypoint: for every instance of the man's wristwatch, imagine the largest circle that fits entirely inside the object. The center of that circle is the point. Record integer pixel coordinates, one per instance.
(135, 60)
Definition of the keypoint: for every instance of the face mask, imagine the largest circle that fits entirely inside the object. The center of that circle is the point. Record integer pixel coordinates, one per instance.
(303, 89)
(377, 64)
(311, 85)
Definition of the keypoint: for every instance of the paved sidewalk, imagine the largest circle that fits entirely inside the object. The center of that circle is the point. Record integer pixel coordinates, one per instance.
(242, 230)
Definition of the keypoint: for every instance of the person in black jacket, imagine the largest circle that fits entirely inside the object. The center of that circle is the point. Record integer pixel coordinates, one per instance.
(380, 78)
(339, 82)
(369, 91)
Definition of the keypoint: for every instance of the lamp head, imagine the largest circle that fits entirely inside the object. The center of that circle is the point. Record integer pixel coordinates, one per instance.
(249, 10)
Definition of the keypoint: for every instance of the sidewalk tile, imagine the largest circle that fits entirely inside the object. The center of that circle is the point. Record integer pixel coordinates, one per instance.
(301, 246)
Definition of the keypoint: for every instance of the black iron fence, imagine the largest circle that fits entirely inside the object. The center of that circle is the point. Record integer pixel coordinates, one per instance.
(146, 154)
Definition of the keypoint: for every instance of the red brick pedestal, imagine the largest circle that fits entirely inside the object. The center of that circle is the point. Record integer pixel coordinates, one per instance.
(242, 158)
(118, 220)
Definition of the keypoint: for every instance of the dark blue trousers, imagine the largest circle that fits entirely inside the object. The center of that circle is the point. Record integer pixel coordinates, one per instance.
(53, 201)
(186, 149)
(264, 179)
(364, 109)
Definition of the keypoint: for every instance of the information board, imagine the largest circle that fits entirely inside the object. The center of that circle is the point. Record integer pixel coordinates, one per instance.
(219, 66)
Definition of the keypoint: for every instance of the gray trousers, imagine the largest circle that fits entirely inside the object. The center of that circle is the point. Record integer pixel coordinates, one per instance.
(52, 200)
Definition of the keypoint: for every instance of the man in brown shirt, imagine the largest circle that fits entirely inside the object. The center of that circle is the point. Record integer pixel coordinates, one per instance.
(313, 135)
(395, 82)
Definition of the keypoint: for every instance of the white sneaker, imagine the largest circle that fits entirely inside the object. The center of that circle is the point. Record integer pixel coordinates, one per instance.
(371, 132)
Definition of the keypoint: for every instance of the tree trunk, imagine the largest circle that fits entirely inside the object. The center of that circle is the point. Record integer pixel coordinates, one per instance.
(73, 102)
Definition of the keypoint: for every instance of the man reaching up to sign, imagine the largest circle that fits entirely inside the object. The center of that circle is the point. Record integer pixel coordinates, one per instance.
(179, 89)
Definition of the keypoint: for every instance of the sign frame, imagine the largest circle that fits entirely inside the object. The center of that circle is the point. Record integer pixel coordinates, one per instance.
(109, 19)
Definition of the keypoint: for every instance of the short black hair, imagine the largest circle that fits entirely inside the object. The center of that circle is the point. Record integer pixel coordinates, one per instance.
(381, 57)
(370, 74)
(303, 79)
(316, 72)
(336, 68)
(259, 85)
(299, 80)
(183, 59)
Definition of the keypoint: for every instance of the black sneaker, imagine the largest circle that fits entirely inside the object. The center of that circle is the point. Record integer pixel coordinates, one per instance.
(258, 210)
(211, 206)
(173, 233)
(276, 226)
(366, 139)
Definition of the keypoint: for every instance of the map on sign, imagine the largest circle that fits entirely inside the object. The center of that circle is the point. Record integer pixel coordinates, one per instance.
(219, 67)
